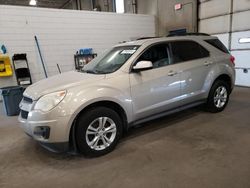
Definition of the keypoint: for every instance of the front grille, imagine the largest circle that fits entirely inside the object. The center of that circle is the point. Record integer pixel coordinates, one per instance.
(28, 100)
(24, 114)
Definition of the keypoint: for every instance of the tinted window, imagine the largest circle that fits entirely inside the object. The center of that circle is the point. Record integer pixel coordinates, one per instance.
(157, 54)
(217, 44)
(187, 50)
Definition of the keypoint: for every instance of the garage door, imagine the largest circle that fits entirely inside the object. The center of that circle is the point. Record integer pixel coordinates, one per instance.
(230, 21)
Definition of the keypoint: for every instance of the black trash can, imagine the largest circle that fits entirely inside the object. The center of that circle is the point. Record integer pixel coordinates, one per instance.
(12, 96)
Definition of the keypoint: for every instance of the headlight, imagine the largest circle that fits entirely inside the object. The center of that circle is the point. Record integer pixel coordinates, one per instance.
(49, 101)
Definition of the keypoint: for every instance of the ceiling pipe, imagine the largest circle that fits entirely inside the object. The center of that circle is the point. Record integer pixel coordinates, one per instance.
(134, 5)
(113, 6)
(78, 5)
(106, 5)
(92, 4)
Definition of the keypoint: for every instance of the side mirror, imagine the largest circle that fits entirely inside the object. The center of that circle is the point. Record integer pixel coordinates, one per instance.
(143, 65)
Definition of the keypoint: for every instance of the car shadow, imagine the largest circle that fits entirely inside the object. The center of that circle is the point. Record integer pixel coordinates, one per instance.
(163, 122)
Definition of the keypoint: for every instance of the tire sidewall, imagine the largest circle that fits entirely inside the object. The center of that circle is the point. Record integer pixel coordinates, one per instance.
(84, 121)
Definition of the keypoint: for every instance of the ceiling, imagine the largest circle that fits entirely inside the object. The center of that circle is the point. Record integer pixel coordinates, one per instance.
(40, 3)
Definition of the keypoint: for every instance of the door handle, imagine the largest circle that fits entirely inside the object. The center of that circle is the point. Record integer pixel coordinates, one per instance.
(207, 63)
(172, 73)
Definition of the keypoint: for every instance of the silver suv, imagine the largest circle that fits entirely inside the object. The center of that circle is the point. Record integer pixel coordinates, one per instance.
(133, 82)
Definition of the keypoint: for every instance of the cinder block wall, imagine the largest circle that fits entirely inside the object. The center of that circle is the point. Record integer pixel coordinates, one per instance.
(62, 32)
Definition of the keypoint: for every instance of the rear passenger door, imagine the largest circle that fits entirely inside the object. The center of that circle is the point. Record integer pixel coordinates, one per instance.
(194, 65)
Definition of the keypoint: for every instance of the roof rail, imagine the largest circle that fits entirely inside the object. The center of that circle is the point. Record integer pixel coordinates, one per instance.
(187, 34)
(143, 38)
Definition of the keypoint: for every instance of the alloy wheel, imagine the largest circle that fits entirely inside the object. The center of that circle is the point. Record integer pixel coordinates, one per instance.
(220, 97)
(101, 133)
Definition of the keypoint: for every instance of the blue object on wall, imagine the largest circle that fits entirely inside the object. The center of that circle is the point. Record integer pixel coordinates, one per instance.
(178, 31)
(3, 49)
(85, 51)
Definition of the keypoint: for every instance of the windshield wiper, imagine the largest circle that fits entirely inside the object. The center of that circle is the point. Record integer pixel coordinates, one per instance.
(95, 72)
(89, 71)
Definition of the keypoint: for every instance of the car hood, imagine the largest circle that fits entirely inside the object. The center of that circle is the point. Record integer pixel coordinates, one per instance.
(60, 82)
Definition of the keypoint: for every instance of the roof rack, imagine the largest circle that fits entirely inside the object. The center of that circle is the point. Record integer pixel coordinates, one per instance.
(187, 34)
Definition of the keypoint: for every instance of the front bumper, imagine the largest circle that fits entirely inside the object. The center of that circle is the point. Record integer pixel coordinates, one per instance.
(51, 129)
(56, 130)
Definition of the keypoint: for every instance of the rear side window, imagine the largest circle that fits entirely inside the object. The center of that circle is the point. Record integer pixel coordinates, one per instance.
(187, 50)
(218, 44)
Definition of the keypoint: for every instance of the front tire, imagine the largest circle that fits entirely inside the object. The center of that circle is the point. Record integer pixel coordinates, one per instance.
(98, 131)
(218, 96)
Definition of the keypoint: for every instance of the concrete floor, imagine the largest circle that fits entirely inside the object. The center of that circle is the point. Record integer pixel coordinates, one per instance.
(189, 149)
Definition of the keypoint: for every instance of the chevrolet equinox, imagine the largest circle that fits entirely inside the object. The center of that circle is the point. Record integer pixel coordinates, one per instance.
(88, 110)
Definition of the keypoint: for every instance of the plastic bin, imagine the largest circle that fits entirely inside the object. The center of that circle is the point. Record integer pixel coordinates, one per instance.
(12, 96)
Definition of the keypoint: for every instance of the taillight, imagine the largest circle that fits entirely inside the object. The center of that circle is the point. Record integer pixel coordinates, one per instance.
(232, 59)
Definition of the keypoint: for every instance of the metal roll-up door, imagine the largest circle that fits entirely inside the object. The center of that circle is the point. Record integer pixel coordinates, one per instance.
(240, 41)
(229, 20)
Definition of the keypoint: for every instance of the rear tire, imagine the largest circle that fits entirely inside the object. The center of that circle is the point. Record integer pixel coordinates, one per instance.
(218, 96)
(98, 131)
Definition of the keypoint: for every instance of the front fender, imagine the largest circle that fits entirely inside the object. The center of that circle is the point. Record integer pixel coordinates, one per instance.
(80, 99)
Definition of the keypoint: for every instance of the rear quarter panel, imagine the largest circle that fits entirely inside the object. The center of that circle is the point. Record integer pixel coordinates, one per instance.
(222, 65)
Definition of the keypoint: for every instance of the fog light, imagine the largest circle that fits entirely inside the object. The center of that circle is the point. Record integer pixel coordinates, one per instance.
(42, 132)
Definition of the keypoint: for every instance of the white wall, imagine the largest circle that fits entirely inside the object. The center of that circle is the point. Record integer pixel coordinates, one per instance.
(62, 32)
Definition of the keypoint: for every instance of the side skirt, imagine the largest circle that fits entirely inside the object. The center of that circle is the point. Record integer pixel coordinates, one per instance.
(165, 113)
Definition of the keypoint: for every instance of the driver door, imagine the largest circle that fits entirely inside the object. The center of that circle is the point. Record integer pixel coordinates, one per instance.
(156, 90)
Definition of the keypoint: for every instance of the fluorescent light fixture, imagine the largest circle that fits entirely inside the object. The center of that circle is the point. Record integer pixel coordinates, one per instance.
(119, 5)
(244, 40)
(32, 2)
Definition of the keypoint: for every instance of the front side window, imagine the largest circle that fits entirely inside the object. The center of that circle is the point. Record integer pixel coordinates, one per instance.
(157, 54)
(110, 61)
(187, 50)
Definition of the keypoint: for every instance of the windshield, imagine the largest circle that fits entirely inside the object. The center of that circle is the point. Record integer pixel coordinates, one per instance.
(110, 61)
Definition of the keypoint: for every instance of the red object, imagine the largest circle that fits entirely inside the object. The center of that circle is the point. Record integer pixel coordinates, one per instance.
(178, 6)
(232, 59)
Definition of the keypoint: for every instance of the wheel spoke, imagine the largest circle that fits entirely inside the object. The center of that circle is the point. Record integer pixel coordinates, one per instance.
(104, 120)
(223, 90)
(219, 103)
(106, 144)
(110, 129)
(100, 122)
(224, 99)
(94, 142)
(107, 139)
(91, 130)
